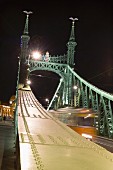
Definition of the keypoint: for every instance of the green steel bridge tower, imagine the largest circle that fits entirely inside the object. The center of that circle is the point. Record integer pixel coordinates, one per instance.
(86, 95)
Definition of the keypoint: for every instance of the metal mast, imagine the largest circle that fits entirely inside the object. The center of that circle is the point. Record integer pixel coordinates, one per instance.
(69, 82)
(25, 38)
(24, 50)
(71, 45)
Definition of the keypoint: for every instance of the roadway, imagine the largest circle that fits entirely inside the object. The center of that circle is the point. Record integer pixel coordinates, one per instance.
(104, 142)
(67, 115)
(46, 143)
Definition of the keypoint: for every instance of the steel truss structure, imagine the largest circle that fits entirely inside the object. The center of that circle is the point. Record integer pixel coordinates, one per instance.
(86, 95)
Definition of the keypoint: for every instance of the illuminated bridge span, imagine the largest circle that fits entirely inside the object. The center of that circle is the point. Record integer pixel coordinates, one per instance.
(47, 144)
(85, 96)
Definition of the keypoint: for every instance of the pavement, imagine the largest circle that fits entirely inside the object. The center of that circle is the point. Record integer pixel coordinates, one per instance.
(7, 145)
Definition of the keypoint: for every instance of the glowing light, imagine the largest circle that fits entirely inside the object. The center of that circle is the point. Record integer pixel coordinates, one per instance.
(36, 55)
(84, 111)
(75, 87)
(47, 100)
(10, 102)
(87, 116)
(86, 136)
(28, 82)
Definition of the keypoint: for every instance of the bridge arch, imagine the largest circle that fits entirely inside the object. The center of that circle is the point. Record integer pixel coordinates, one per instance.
(57, 68)
(60, 69)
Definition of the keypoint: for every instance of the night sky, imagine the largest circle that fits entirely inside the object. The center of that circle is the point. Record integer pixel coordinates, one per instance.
(49, 29)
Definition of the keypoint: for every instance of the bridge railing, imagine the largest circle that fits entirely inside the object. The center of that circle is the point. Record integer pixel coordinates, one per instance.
(100, 101)
(58, 59)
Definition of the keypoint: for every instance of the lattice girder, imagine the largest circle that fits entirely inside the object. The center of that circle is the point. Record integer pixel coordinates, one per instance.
(54, 67)
(95, 108)
(86, 95)
(58, 59)
(60, 69)
(106, 118)
(94, 99)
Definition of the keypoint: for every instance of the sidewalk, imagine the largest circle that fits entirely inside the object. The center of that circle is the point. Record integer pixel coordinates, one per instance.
(7, 147)
(6, 123)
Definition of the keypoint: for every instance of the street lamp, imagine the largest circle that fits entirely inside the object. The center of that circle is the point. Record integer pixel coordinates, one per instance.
(36, 55)
(75, 87)
(47, 100)
(28, 82)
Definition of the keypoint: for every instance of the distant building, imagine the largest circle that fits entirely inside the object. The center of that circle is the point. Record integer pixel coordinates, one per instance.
(8, 110)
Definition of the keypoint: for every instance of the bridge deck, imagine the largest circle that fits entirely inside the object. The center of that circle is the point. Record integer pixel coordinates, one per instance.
(47, 144)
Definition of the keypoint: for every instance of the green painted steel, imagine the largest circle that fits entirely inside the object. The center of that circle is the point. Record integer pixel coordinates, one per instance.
(25, 38)
(85, 95)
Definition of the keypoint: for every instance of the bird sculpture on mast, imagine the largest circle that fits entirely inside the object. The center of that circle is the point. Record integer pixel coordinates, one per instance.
(73, 19)
(28, 13)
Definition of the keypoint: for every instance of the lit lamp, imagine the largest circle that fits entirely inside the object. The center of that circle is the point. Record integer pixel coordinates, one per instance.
(28, 82)
(10, 102)
(75, 87)
(36, 55)
(75, 93)
(47, 100)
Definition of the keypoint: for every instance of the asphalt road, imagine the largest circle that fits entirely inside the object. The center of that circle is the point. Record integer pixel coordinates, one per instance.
(104, 142)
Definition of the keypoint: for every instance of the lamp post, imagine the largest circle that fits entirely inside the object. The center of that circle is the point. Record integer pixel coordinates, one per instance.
(76, 95)
(27, 82)
(47, 100)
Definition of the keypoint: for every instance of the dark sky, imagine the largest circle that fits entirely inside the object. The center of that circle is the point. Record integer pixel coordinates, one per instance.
(49, 26)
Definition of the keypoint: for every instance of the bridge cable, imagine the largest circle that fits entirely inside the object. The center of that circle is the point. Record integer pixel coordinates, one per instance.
(100, 74)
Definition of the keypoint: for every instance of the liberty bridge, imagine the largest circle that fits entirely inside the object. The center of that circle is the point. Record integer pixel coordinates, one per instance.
(40, 134)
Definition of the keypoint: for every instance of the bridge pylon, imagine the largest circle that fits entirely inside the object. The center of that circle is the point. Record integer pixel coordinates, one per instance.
(24, 67)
